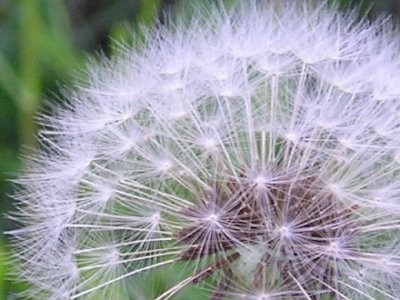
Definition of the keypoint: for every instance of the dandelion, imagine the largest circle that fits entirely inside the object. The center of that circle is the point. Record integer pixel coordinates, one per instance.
(251, 152)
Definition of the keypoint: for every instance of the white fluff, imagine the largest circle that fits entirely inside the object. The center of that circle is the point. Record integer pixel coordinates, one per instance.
(279, 91)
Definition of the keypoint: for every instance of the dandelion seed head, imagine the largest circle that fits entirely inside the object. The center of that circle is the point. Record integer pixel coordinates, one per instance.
(253, 150)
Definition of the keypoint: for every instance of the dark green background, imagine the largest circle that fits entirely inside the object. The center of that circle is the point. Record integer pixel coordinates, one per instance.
(41, 43)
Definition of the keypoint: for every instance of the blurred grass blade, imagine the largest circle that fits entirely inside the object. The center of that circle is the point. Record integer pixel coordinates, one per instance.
(8, 77)
(30, 26)
(58, 51)
(147, 17)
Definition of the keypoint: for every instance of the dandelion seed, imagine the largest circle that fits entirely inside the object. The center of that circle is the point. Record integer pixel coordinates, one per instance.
(252, 152)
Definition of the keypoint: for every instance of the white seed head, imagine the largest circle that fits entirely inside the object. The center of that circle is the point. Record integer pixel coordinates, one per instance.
(253, 150)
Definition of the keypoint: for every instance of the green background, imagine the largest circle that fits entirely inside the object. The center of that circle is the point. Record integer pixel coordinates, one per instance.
(41, 43)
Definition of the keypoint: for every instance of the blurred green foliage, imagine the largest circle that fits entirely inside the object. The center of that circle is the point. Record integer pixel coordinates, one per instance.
(41, 42)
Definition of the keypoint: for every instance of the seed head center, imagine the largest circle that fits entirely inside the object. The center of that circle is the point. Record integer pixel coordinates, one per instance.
(284, 231)
(212, 218)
